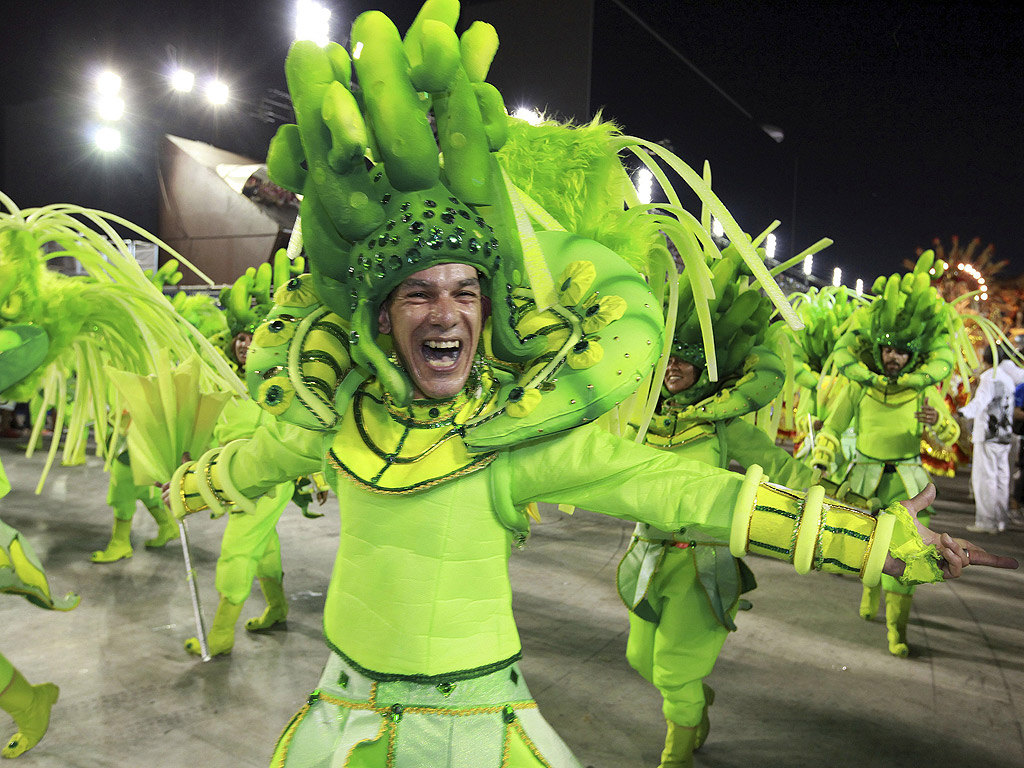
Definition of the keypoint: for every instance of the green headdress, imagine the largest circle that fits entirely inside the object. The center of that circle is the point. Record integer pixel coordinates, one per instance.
(113, 316)
(825, 313)
(907, 313)
(740, 315)
(384, 198)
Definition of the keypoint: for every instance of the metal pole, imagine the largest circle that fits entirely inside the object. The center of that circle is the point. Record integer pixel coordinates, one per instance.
(190, 577)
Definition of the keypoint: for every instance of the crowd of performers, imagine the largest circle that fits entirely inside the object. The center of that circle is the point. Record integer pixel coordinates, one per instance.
(490, 320)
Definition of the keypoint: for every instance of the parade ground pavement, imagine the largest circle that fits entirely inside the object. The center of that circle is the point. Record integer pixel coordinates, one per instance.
(804, 682)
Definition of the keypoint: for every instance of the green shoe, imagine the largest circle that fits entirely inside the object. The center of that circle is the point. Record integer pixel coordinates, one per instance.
(869, 601)
(120, 546)
(680, 742)
(221, 637)
(167, 528)
(30, 707)
(276, 611)
(897, 613)
(705, 722)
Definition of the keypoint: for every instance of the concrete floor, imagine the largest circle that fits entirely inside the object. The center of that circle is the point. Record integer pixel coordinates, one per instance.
(804, 682)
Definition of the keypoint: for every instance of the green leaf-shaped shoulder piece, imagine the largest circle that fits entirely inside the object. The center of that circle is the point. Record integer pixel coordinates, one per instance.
(299, 367)
(604, 338)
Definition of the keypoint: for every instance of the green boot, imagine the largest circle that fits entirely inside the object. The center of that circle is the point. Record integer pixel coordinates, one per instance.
(277, 606)
(869, 601)
(897, 612)
(30, 707)
(705, 723)
(680, 742)
(167, 527)
(120, 546)
(221, 637)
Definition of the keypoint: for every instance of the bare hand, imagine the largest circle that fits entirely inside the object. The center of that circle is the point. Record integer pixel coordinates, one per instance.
(165, 489)
(956, 554)
(927, 415)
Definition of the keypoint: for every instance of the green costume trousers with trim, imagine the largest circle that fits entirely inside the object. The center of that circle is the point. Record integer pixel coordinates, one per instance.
(6, 672)
(677, 653)
(489, 721)
(123, 493)
(250, 547)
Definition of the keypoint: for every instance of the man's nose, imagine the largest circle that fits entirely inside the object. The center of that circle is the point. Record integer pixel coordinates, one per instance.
(443, 312)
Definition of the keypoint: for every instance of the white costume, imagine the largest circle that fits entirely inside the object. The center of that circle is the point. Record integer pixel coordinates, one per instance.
(992, 411)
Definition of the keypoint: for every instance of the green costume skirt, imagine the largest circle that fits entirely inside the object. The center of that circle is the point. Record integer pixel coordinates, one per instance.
(486, 722)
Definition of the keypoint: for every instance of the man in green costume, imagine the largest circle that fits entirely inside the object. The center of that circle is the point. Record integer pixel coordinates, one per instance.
(436, 447)
(22, 349)
(683, 587)
(894, 357)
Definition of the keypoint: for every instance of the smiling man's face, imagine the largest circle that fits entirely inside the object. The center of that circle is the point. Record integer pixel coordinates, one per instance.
(894, 360)
(434, 317)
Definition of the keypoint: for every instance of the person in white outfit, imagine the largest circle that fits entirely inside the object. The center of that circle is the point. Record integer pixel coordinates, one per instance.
(992, 434)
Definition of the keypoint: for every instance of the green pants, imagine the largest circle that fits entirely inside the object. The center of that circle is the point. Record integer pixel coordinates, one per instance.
(6, 672)
(250, 547)
(123, 493)
(678, 652)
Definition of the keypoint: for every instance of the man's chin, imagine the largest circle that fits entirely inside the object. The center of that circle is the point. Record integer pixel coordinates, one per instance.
(437, 385)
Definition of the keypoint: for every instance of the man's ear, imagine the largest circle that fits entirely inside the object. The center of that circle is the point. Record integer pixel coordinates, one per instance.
(383, 319)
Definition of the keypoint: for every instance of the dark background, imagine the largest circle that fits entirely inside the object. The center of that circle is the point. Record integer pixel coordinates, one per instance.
(901, 121)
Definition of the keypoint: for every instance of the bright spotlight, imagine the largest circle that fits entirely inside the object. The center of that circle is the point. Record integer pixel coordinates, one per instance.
(182, 80)
(110, 108)
(716, 228)
(837, 277)
(530, 115)
(311, 22)
(984, 297)
(960, 266)
(860, 287)
(808, 264)
(769, 246)
(108, 83)
(217, 92)
(108, 139)
(645, 185)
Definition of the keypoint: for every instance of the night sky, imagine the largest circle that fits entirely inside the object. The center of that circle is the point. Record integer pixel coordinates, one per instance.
(901, 120)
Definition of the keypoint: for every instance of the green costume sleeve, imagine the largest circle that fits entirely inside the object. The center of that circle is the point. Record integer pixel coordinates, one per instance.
(595, 470)
(841, 414)
(750, 445)
(246, 469)
(946, 430)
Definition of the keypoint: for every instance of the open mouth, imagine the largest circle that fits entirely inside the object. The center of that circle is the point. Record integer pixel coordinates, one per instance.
(441, 355)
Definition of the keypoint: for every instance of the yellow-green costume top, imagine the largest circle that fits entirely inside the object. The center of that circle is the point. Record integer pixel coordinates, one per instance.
(715, 443)
(420, 585)
(888, 435)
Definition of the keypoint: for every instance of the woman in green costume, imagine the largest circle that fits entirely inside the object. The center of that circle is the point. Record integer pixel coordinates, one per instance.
(895, 352)
(445, 378)
(22, 349)
(682, 586)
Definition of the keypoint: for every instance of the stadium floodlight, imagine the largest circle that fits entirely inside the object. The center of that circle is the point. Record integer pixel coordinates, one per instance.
(217, 92)
(312, 22)
(808, 264)
(645, 185)
(716, 228)
(108, 139)
(769, 245)
(183, 81)
(110, 108)
(108, 83)
(837, 277)
(984, 297)
(529, 114)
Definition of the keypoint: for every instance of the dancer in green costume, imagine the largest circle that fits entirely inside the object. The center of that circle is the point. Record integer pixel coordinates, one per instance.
(22, 349)
(435, 447)
(898, 349)
(682, 586)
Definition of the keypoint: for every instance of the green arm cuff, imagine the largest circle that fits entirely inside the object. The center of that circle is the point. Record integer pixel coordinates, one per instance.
(907, 545)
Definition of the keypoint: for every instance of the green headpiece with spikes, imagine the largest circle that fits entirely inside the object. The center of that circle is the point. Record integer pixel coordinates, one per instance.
(908, 314)
(740, 315)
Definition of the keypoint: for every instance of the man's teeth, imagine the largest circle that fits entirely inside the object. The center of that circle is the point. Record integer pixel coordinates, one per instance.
(453, 344)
